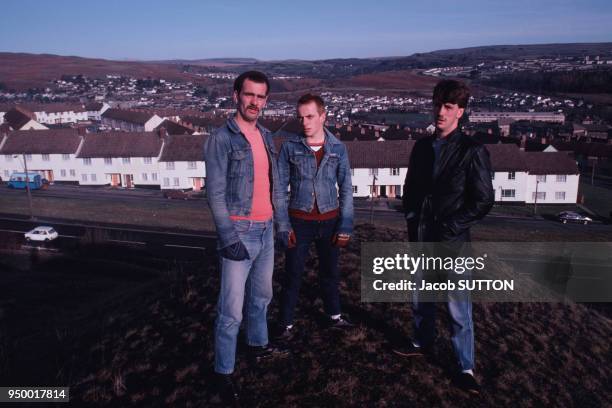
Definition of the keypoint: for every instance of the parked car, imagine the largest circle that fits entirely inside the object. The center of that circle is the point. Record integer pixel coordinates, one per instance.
(572, 216)
(177, 195)
(41, 233)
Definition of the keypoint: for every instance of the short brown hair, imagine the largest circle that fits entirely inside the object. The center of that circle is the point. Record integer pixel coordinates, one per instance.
(304, 99)
(449, 90)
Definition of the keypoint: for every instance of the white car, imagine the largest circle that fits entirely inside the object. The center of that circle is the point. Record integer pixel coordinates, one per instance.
(41, 234)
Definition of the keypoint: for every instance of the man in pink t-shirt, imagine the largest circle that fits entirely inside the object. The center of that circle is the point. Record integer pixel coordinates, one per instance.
(241, 177)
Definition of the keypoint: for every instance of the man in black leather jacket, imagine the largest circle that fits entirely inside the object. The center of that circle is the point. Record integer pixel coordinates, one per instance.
(447, 190)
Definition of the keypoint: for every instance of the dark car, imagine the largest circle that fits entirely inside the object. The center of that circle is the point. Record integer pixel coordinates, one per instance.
(177, 195)
(572, 216)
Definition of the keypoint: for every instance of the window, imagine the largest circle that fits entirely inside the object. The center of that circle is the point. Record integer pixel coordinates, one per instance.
(394, 171)
(145, 177)
(108, 161)
(191, 165)
(398, 190)
(511, 175)
(560, 195)
(352, 172)
(65, 157)
(511, 193)
(45, 157)
(541, 178)
(175, 181)
(373, 172)
(125, 160)
(94, 177)
(63, 172)
(28, 157)
(169, 165)
(8, 158)
(561, 178)
(87, 162)
(7, 174)
(83, 177)
(540, 196)
(146, 160)
(166, 181)
(354, 189)
(154, 176)
(72, 172)
(492, 175)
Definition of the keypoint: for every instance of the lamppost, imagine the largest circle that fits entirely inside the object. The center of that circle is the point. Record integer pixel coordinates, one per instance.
(27, 184)
(535, 202)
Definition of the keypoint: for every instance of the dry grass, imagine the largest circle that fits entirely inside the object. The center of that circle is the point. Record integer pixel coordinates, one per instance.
(147, 341)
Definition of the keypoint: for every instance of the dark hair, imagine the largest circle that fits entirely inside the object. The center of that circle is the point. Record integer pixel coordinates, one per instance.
(254, 76)
(304, 99)
(449, 90)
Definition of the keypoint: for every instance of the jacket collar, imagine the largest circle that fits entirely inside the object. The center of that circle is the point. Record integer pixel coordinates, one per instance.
(330, 139)
(232, 125)
(453, 137)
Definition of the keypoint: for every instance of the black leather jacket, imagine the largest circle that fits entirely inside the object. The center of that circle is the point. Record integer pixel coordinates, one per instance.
(443, 206)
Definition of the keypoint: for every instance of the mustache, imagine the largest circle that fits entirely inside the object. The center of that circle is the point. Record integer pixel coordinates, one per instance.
(253, 107)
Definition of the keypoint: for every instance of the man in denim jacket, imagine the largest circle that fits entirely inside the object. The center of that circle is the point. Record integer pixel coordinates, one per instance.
(319, 207)
(242, 180)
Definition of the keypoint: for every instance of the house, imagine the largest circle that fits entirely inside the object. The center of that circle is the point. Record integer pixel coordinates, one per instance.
(181, 164)
(19, 118)
(96, 109)
(510, 172)
(553, 178)
(51, 153)
(379, 168)
(130, 120)
(120, 159)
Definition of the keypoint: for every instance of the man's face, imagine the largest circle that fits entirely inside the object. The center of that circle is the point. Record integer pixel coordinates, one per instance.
(446, 117)
(310, 119)
(251, 100)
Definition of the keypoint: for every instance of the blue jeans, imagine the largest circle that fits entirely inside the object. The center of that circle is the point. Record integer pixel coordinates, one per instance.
(246, 286)
(307, 232)
(459, 305)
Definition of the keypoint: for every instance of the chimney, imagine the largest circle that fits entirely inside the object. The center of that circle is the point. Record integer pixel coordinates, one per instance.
(363, 131)
(349, 128)
(161, 131)
(543, 141)
(81, 131)
(523, 143)
(397, 126)
(377, 134)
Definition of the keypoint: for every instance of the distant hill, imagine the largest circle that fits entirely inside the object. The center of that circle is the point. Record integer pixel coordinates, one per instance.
(22, 71)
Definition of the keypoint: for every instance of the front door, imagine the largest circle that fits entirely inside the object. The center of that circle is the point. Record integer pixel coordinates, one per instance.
(115, 180)
(129, 181)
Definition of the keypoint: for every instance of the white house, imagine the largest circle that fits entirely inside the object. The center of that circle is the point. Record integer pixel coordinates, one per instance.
(130, 120)
(59, 113)
(181, 164)
(509, 176)
(51, 153)
(553, 178)
(379, 168)
(96, 109)
(120, 159)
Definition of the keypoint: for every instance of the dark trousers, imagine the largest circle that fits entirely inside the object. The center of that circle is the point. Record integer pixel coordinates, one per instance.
(306, 232)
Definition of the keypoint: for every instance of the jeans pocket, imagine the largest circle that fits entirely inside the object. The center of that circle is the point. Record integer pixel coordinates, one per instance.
(242, 226)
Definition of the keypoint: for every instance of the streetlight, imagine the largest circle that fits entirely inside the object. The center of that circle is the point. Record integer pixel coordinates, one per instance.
(535, 203)
(27, 180)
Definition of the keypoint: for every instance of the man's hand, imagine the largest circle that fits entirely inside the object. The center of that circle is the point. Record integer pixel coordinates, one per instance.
(286, 239)
(341, 240)
(235, 252)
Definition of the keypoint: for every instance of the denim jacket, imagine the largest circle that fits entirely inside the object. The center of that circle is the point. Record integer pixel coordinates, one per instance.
(330, 183)
(229, 177)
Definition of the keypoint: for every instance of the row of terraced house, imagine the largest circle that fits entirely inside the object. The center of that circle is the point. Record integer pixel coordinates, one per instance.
(160, 160)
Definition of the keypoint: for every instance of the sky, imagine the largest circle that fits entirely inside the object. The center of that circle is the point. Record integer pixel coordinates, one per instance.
(273, 30)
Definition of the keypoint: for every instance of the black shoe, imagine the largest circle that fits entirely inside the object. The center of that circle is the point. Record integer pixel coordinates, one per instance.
(340, 323)
(410, 350)
(468, 383)
(228, 389)
(283, 333)
(260, 354)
